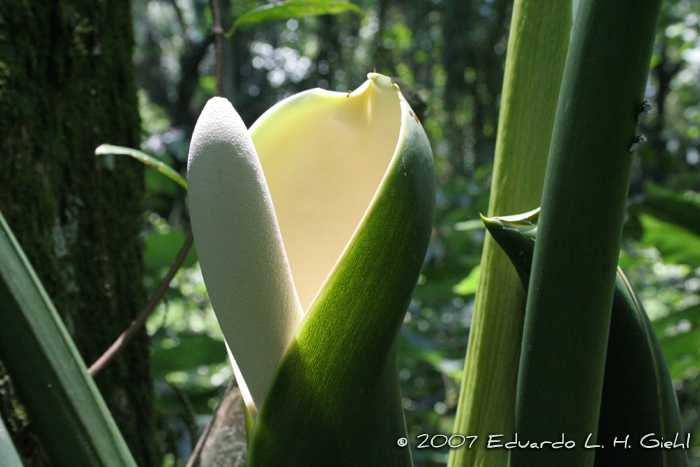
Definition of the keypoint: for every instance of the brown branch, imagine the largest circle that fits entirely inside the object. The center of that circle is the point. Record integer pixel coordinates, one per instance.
(140, 320)
(218, 32)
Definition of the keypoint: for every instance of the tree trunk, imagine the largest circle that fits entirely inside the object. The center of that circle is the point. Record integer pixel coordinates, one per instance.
(66, 86)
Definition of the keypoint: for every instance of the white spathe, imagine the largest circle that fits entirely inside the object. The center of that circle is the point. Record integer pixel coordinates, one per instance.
(324, 155)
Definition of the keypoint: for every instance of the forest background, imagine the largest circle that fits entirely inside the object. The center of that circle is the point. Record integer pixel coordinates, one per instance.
(103, 232)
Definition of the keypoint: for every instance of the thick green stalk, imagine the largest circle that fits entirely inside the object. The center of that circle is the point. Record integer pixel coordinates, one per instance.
(534, 66)
(63, 403)
(571, 290)
(638, 393)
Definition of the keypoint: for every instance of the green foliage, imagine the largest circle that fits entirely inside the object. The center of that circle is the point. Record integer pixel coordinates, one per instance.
(679, 335)
(676, 244)
(8, 453)
(186, 352)
(638, 394)
(63, 402)
(162, 246)
(670, 226)
(469, 284)
(107, 149)
(453, 69)
(292, 9)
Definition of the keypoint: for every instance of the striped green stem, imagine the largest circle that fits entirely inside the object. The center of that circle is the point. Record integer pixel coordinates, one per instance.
(534, 66)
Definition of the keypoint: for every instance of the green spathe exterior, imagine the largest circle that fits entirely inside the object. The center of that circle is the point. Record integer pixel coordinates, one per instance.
(335, 397)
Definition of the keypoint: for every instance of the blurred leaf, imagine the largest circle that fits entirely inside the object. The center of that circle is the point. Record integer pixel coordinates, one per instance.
(8, 453)
(676, 244)
(467, 226)
(187, 353)
(150, 161)
(682, 353)
(162, 248)
(469, 284)
(292, 9)
(679, 334)
(680, 208)
(438, 288)
(450, 367)
(159, 188)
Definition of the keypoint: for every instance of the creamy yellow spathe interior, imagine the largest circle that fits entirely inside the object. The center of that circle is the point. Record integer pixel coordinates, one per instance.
(324, 155)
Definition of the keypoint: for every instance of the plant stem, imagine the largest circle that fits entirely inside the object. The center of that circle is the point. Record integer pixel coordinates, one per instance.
(571, 288)
(140, 320)
(534, 66)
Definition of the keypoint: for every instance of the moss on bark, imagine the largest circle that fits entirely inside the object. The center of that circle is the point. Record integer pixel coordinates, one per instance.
(66, 86)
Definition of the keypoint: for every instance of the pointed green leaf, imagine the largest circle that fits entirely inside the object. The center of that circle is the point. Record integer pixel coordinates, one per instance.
(107, 149)
(65, 407)
(292, 9)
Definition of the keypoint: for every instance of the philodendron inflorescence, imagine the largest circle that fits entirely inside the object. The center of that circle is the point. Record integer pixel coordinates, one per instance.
(311, 229)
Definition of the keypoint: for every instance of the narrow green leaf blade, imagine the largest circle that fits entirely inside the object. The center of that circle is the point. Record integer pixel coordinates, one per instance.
(292, 9)
(8, 453)
(65, 407)
(105, 149)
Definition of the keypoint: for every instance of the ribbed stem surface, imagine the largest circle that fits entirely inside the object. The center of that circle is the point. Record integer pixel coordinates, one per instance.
(534, 66)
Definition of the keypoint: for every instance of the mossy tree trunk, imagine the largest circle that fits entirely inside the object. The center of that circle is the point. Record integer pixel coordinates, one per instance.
(66, 86)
